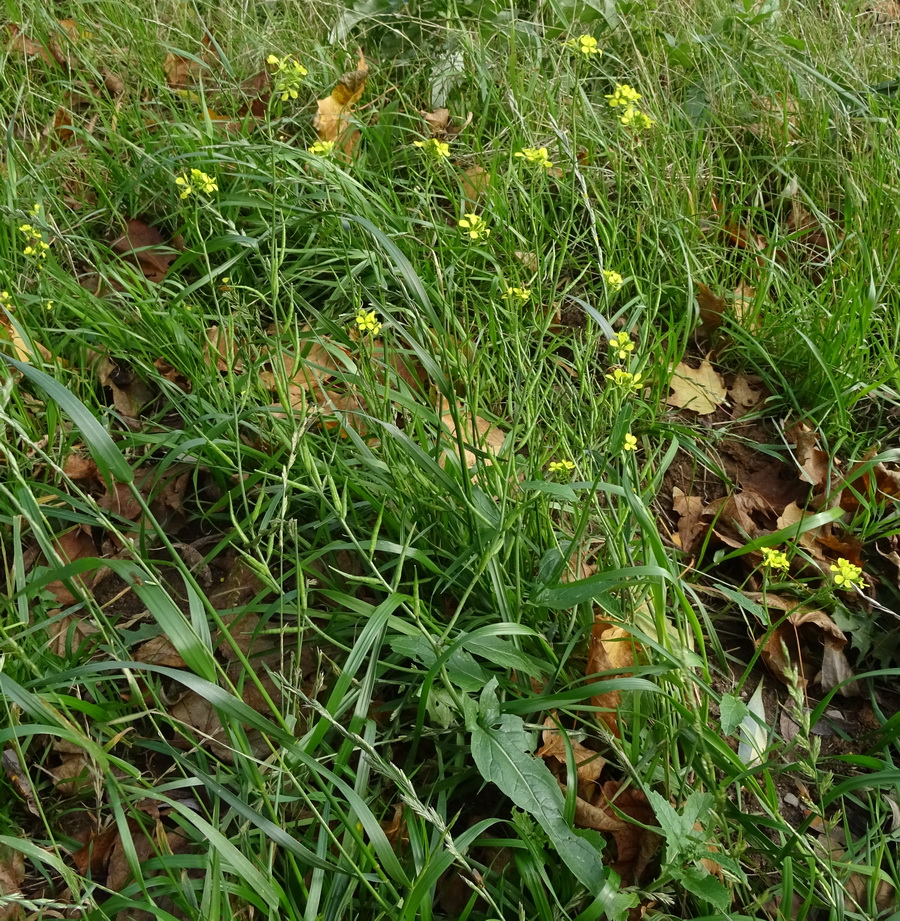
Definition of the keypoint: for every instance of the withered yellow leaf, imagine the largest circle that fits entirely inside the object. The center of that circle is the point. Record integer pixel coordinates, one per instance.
(699, 390)
(332, 121)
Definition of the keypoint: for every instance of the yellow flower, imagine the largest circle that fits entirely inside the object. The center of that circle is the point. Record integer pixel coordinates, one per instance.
(367, 322)
(585, 44)
(198, 181)
(35, 209)
(613, 279)
(521, 293)
(5, 299)
(633, 117)
(48, 305)
(440, 150)
(622, 345)
(321, 148)
(537, 155)
(36, 245)
(475, 227)
(625, 379)
(630, 442)
(847, 575)
(289, 76)
(775, 559)
(561, 466)
(623, 95)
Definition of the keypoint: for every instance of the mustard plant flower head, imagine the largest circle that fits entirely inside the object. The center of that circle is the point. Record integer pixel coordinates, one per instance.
(35, 209)
(289, 74)
(613, 279)
(48, 305)
(625, 379)
(5, 299)
(560, 466)
(195, 182)
(630, 442)
(439, 150)
(475, 227)
(775, 559)
(36, 246)
(367, 322)
(622, 345)
(634, 118)
(536, 155)
(584, 44)
(623, 95)
(321, 148)
(846, 575)
(520, 294)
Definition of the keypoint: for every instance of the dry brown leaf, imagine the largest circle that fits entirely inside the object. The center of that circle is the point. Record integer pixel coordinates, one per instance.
(588, 764)
(53, 53)
(71, 546)
(698, 390)
(746, 391)
(475, 182)
(712, 308)
(812, 460)
(690, 513)
(476, 432)
(529, 260)
(884, 481)
(788, 636)
(220, 348)
(15, 774)
(611, 648)
(885, 12)
(22, 350)
(130, 393)
(184, 72)
(144, 247)
(12, 875)
(159, 651)
(742, 303)
(332, 121)
(79, 467)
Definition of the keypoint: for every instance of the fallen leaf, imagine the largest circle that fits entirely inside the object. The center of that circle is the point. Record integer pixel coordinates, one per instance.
(12, 875)
(474, 181)
(53, 53)
(144, 247)
(332, 121)
(588, 764)
(712, 308)
(183, 71)
(690, 512)
(743, 298)
(476, 432)
(698, 390)
(746, 391)
(159, 651)
(80, 467)
(219, 348)
(71, 546)
(306, 375)
(885, 12)
(130, 393)
(15, 774)
(812, 460)
(611, 648)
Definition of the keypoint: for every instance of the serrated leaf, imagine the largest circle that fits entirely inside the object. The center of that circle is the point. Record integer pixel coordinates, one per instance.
(706, 887)
(732, 710)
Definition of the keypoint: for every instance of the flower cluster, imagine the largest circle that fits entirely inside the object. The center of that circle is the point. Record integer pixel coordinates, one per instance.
(321, 148)
(560, 466)
(613, 279)
(627, 97)
(196, 182)
(475, 227)
(775, 559)
(622, 345)
(625, 379)
(521, 294)
(536, 155)
(584, 44)
(630, 442)
(846, 575)
(289, 74)
(367, 322)
(439, 150)
(36, 246)
(5, 299)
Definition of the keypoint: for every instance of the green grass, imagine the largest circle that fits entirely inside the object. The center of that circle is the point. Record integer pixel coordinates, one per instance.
(362, 632)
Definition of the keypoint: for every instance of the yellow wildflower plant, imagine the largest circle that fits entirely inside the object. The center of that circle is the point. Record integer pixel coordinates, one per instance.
(623, 95)
(560, 466)
(521, 294)
(630, 442)
(289, 74)
(634, 118)
(584, 44)
(625, 379)
(321, 148)
(846, 575)
(5, 299)
(622, 345)
(439, 150)
(367, 322)
(475, 227)
(195, 182)
(613, 279)
(775, 559)
(537, 155)
(36, 246)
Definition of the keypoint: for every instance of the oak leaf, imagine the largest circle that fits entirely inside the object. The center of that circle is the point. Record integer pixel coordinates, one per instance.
(698, 390)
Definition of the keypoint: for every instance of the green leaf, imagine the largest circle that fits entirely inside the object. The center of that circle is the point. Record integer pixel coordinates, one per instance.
(108, 457)
(503, 756)
(706, 887)
(731, 711)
